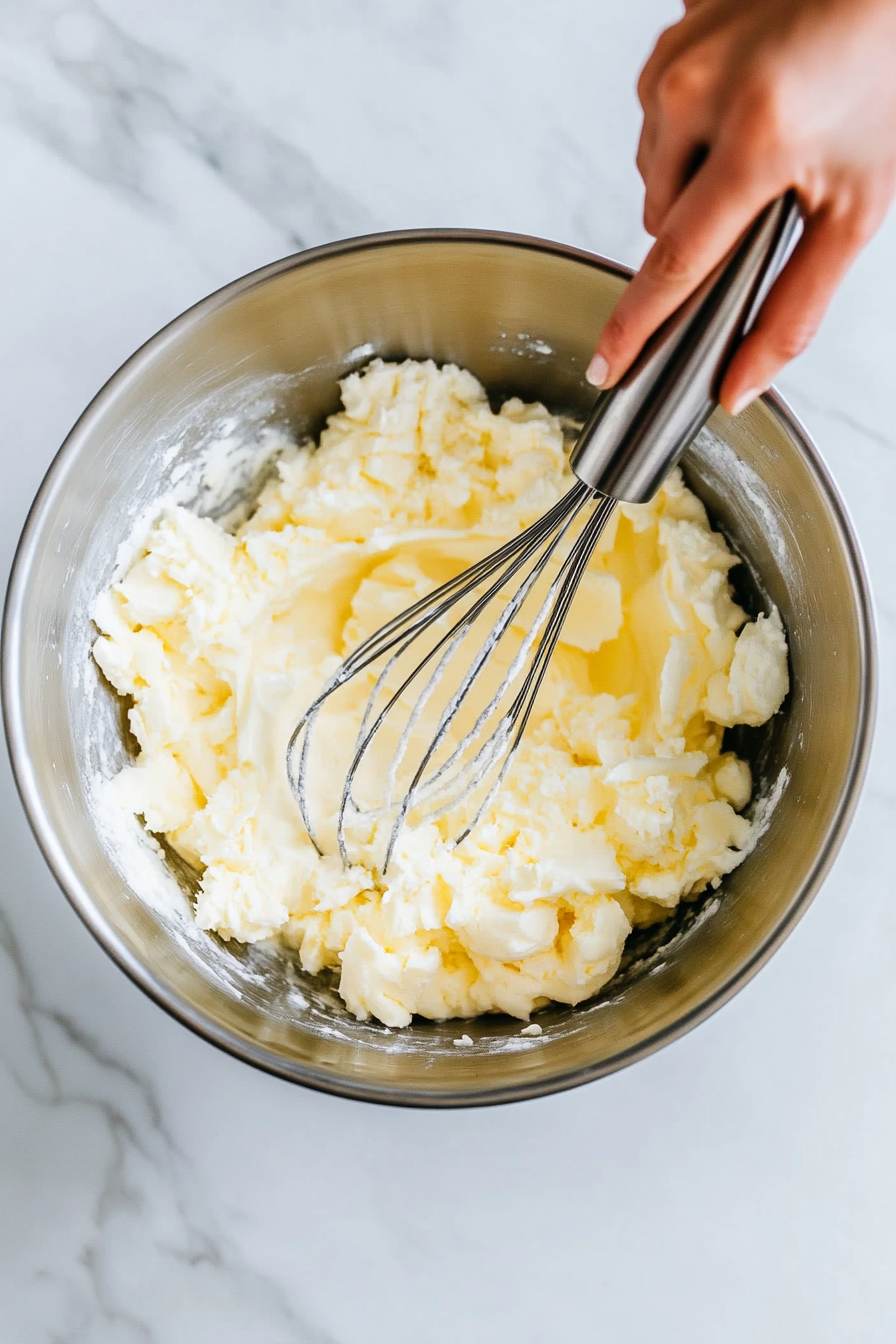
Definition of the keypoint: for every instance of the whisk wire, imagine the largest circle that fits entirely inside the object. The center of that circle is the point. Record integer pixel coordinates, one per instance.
(522, 706)
(515, 555)
(459, 776)
(419, 615)
(402, 630)
(633, 436)
(415, 792)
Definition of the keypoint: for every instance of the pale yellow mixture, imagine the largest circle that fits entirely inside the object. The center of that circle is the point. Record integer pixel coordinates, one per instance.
(619, 802)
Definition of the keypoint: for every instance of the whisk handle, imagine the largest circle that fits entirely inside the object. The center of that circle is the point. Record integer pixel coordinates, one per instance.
(639, 429)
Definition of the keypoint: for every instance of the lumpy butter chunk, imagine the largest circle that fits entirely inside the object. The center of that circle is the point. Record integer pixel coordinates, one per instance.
(620, 802)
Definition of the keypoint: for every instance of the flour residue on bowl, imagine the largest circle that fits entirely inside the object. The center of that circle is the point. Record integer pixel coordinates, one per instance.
(749, 485)
(621, 801)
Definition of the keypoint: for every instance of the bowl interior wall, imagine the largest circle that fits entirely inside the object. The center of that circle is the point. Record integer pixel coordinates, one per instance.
(270, 350)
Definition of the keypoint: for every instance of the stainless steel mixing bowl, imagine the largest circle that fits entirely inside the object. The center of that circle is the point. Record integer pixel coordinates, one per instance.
(268, 349)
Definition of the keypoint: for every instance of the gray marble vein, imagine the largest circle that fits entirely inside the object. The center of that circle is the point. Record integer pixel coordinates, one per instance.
(430, 32)
(140, 1255)
(738, 1185)
(84, 87)
(816, 406)
(863, 462)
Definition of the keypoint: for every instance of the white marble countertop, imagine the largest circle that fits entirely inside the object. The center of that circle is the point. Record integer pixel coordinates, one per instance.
(738, 1186)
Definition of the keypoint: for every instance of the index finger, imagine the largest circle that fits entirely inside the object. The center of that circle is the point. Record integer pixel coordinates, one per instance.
(705, 222)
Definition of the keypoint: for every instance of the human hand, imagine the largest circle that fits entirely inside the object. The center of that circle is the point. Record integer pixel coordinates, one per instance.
(743, 99)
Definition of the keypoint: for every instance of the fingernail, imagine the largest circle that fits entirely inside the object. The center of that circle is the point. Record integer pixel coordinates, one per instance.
(745, 398)
(597, 371)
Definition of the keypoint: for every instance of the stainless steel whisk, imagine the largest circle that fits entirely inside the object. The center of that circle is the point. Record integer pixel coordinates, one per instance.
(633, 437)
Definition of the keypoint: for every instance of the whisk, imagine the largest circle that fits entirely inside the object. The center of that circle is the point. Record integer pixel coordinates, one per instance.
(456, 675)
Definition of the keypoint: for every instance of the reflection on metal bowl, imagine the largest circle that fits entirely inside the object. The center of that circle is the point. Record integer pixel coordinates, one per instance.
(522, 315)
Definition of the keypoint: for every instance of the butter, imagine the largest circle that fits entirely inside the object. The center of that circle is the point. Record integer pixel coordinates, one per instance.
(620, 802)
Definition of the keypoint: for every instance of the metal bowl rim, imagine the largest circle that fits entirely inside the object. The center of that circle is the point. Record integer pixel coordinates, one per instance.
(78, 894)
